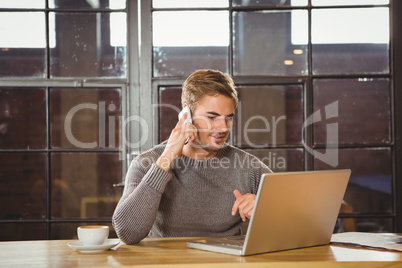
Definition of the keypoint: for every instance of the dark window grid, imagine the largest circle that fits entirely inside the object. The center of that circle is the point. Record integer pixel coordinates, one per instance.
(307, 95)
(309, 158)
(242, 81)
(273, 8)
(308, 134)
(264, 7)
(48, 150)
(50, 220)
(309, 8)
(391, 121)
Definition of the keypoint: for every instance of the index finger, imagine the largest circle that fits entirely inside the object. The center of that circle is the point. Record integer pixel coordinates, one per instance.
(236, 206)
(182, 119)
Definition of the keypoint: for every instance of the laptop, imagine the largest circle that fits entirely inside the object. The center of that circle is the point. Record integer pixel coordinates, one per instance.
(292, 210)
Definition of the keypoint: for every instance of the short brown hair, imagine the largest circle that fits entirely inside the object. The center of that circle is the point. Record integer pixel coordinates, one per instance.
(207, 82)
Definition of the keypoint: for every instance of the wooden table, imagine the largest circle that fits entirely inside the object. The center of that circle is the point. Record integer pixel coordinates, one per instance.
(172, 252)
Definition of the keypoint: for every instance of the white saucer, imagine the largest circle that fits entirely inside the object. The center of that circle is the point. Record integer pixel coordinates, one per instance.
(109, 243)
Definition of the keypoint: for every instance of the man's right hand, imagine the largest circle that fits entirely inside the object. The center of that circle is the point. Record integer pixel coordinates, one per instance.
(176, 142)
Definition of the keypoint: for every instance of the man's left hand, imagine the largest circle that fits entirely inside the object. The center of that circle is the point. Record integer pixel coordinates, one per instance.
(244, 204)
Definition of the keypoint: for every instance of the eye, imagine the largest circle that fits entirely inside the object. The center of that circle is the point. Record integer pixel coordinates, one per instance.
(212, 117)
(229, 118)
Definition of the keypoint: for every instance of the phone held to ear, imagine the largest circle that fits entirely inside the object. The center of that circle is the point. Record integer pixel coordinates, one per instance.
(186, 109)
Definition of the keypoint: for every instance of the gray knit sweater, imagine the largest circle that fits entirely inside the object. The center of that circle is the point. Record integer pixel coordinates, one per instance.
(194, 199)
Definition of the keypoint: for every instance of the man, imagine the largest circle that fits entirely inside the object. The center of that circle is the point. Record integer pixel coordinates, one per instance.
(195, 184)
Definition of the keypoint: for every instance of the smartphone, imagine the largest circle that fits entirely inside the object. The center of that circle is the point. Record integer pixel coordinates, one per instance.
(186, 109)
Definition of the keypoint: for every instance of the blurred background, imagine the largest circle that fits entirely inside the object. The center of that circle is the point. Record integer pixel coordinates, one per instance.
(85, 85)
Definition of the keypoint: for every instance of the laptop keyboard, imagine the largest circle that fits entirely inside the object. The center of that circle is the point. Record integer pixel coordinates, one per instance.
(234, 241)
(236, 245)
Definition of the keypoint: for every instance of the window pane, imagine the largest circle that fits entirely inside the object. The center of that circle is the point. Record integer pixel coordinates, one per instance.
(189, 3)
(181, 48)
(113, 4)
(25, 30)
(169, 108)
(348, 2)
(22, 231)
(84, 189)
(370, 185)
(22, 186)
(85, 117)
(269, 116)
(262, 50)
(22, 118)
(343, 44)
(22, 4)
(83, 45)
(22, 44)
(280, 160)
(269, 3)
(363, 110)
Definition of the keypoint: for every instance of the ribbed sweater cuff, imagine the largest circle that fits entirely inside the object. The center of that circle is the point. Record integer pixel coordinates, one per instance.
(157, 178)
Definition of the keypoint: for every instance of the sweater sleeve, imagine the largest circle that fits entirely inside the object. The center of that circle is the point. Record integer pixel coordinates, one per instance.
(136, 211)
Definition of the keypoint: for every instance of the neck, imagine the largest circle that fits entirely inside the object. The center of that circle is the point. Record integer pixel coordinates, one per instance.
(195, 152)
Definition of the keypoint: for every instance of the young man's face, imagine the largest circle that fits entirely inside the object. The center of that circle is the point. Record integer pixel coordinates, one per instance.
(213, 118)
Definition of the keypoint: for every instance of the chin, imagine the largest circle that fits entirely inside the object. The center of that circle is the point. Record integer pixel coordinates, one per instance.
(210, 147)
(215, 147)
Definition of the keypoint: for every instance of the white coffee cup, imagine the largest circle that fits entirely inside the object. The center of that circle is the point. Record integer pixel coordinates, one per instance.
(92, 235)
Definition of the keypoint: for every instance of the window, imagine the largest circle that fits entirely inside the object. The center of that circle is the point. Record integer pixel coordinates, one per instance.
(63, 67)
